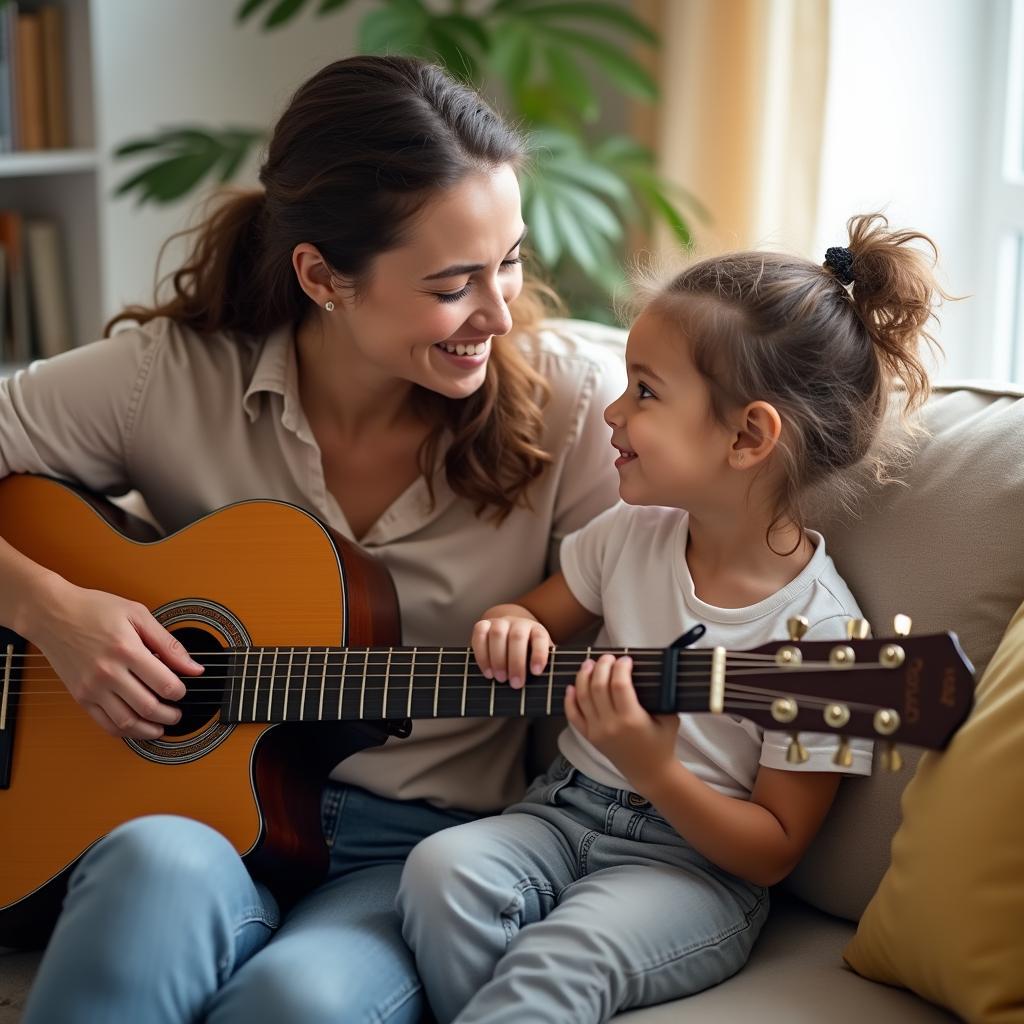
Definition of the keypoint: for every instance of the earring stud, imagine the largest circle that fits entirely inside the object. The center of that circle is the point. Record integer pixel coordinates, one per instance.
(329, 306)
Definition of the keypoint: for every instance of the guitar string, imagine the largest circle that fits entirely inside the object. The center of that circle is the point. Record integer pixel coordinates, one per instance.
(699, 654)
(428, 683)
(763, 700)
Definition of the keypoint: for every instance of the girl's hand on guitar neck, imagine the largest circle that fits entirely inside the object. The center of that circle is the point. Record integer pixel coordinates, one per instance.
(509, 633)
(501, 643)
(116, 660)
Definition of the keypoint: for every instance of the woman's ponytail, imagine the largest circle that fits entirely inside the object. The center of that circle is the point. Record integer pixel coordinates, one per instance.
(226, 284)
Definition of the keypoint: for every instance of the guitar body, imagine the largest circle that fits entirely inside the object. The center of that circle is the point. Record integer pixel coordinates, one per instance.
(254, 573)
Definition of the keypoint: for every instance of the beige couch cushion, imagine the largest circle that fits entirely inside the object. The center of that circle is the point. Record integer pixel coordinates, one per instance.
(795, 976)
(948, 550)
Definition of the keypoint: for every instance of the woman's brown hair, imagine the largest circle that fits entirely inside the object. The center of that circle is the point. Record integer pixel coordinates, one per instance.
(361, 147)
(825, 344)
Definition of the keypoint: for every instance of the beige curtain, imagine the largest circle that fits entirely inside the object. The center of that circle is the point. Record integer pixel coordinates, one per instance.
(740, 122)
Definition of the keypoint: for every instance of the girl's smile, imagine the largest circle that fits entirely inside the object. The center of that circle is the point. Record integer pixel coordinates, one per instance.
(625, 455)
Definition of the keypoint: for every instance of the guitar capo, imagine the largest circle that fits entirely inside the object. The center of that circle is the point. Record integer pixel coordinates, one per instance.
(669, 664)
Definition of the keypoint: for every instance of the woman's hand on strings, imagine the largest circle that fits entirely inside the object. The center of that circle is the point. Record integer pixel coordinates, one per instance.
(116, 660)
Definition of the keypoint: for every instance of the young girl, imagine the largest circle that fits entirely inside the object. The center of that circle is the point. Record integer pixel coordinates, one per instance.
(635, 870)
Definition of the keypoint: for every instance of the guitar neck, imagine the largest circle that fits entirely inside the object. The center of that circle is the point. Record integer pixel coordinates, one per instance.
(305, 684)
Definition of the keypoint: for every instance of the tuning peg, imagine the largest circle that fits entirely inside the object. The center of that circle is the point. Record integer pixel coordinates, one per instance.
(892, 760)
(843, 755)
(797, 752)
(842, 656)
(836, 715)
(901, 625)
(858, 629)
(886, 721)
(784, 709)
(892, 656)
(797, 625)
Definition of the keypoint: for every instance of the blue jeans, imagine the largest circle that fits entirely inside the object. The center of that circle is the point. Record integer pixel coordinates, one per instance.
(577, 903)
(163, 925)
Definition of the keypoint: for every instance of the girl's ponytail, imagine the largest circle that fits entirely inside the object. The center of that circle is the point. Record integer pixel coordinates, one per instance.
(895, 293)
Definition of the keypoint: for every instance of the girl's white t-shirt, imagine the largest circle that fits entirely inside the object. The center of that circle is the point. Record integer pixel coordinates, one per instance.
(629, 566)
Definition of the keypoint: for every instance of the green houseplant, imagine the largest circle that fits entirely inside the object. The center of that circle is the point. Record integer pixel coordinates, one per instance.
(582, 191)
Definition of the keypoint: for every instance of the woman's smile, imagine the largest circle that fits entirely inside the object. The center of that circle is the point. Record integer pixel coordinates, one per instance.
(465, 354)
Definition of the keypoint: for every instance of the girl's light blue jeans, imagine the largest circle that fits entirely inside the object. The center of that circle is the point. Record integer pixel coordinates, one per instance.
(577, 903)
(163, 925)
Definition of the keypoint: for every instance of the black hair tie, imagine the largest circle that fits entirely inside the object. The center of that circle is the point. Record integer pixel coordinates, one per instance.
(839, 260)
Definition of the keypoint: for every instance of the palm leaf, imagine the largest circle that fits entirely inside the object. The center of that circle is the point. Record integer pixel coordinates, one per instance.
(617, 17)
(184, 158)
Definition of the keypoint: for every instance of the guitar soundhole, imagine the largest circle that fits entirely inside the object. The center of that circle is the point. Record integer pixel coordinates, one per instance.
(202, 702)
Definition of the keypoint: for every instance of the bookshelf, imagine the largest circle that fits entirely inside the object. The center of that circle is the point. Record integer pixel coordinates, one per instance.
(66, 185)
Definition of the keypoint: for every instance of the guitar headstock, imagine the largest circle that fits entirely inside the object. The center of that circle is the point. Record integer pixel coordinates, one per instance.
(901, 689)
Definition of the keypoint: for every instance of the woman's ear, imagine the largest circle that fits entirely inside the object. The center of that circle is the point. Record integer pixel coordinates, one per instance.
(315, 277)
(759, 432)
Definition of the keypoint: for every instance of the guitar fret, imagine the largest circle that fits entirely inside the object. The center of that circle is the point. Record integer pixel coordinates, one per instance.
(551, 677)
(341, 689)
(412, 671)
(270, 688)
(259, 670)
(323, 683)
(362, 689)
(491, 711)
(255, 694)
(241, 691)
(437, 681)
(8, 657)
(522, 702)
(387, 683)
(465, 674)
(305, 679)
(287, 678)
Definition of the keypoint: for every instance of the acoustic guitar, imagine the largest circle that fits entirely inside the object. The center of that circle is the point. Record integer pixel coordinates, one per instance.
(298, 630)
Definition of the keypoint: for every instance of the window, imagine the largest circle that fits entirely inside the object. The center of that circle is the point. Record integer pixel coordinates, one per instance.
(1001, 299)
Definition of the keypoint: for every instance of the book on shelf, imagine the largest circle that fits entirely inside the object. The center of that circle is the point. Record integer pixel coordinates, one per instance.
(18, 328)
(33, 78)
(36, 285)
(51, 23)
(28, 82)
(48, 286)
(8, 28)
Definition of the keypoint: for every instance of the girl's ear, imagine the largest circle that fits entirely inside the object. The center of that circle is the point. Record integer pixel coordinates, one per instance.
(759, 432)
(314, 275)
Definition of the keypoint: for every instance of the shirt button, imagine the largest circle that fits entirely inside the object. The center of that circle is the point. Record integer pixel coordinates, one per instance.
(636, 800)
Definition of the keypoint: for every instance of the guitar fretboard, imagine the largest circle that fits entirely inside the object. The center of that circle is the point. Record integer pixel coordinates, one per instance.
(308, 684)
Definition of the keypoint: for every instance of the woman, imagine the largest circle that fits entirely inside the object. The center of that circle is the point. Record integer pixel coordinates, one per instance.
(336, 340)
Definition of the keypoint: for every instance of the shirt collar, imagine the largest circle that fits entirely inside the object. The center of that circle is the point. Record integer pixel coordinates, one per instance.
(276, 371)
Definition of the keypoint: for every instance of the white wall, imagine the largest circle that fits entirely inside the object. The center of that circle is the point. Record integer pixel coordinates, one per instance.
(906, 130)
(189, 62)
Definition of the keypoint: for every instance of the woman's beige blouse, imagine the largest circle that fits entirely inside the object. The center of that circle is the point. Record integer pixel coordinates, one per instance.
(194, 423)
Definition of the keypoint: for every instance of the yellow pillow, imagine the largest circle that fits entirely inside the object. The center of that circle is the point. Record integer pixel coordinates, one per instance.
(947, 920)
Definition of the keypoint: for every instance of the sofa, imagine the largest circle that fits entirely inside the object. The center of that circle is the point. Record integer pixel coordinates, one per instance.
(945, 546)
